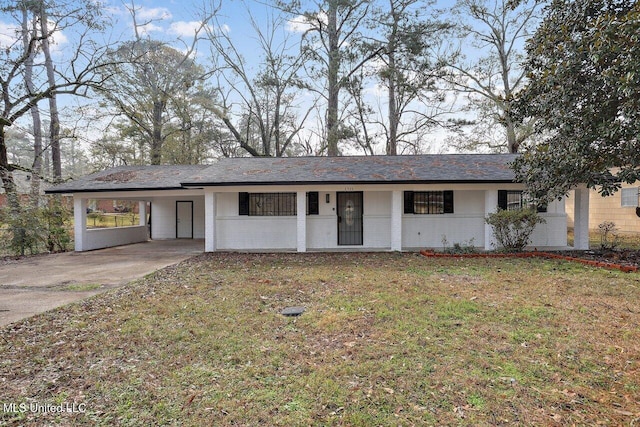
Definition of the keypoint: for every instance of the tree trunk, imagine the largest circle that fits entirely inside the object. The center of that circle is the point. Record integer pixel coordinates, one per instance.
(392, 142)
(54, 129)
(36, 168)
(512, 141)
(7, 177)
(333, 85)
(156, 138)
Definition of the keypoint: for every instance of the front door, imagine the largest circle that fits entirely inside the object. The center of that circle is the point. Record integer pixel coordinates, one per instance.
(184, 220)
(350, 218)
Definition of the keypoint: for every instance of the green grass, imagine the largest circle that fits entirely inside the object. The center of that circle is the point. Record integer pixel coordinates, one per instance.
(97, 220)
(386, 339)
(81, 287)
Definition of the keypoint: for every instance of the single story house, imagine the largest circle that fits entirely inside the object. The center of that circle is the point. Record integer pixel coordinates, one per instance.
(319, 203)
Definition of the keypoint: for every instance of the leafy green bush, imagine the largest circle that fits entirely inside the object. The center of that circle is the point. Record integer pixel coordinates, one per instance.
(55, 217)
(512, 228)
(22, 230)
(31, 230)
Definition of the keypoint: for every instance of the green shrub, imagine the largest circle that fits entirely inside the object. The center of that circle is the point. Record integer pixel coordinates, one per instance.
(512, 228)
(55, 217)
(32, 230)
(22, 230)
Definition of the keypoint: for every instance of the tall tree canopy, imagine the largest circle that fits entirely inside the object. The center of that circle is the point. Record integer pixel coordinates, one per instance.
(584, 91)
(333, 32)
(487, 67)
(147, 77)
(409, 72)
(74, 75)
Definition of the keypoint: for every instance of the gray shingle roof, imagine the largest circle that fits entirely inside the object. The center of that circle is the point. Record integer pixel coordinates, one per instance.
(356, 169)
(440, 168)
(127, 178)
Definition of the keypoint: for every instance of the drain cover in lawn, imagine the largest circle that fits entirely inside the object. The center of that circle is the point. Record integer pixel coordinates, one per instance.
(292, 311)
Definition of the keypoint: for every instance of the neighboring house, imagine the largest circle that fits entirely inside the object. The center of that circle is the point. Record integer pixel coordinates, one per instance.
(619, 208)
(317, 203)
(22, 180)
(112, 206)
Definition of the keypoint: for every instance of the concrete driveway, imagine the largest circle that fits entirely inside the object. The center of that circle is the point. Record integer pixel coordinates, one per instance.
(36, 284)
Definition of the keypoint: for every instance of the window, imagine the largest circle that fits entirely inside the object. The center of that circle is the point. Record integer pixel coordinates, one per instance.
(313, 203)
(512, 200)
(274, 204)
(629, 197)
(428, 202)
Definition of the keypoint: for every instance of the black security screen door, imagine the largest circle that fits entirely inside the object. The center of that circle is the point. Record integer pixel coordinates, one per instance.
(350, 218)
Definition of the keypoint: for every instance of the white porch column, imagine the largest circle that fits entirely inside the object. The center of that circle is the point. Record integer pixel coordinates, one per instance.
(79, 223)
(581, 218)
(490, 206)
(209, 221)
(396, 220)
(142, 212)
(301, 223)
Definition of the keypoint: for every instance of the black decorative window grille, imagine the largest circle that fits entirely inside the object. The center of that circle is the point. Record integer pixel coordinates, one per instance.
(275, 204)
(513, 200)
(272, 204)
(428, 202)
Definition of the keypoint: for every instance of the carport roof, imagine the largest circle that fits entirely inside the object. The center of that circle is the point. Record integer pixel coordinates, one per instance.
(440, 168)
(131, 178)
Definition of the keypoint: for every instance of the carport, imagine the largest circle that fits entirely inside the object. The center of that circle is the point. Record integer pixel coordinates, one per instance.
(175, 212)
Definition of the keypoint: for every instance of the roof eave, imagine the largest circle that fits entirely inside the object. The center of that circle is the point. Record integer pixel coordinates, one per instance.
(344, 182)
(111, 190)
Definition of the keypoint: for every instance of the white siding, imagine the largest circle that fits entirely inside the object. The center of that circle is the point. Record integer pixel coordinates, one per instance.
(554, 232)
(466, 223)
(163, 217)
(235, 232)
(465, 226)
(108, 237)
(256, 233)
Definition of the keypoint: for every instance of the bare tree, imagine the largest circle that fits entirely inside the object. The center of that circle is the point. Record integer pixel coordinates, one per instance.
(76, 76)
(30, 25)
(496, 31)
(332, 36)
(410, 71)
(269, 121)
(54, 116)
(147, 76)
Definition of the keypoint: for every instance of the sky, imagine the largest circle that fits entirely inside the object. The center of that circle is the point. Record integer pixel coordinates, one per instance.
(169, 20)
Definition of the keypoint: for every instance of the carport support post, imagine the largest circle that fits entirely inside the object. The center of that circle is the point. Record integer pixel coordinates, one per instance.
(209, 221)
(142, 213)
(301, 222)
(396, 220)
(490, 206)
(79, 223)
(581, 218)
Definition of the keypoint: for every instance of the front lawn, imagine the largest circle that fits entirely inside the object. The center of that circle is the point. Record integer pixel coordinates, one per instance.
(386, 339)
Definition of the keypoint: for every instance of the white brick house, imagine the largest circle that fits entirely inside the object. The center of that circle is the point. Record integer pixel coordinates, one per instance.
(316, 203)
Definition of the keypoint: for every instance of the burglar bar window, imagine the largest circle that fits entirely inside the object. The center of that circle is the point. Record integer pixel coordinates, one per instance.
(428, 202)
(272, 204)
(275, 204)
(512, 200)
